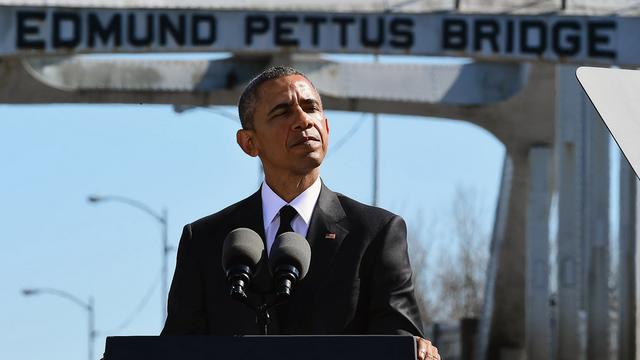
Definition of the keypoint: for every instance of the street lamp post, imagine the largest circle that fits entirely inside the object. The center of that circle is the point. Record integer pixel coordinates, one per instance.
(162, 218)
(87, 306)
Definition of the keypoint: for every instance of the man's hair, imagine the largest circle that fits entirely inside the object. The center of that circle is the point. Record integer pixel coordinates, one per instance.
(249, 97)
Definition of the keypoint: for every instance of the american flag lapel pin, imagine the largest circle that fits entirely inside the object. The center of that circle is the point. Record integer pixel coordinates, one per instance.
(330, 236)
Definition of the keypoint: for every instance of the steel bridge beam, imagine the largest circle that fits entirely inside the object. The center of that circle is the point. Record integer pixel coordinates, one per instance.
(512, 101)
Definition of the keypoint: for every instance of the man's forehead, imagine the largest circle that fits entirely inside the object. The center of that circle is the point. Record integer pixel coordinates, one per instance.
(284, 88)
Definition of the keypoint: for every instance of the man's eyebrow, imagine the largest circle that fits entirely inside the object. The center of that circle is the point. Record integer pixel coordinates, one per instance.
(283, 105)
(311, 101)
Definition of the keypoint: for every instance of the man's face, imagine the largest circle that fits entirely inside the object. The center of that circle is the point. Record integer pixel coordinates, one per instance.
(290, 132)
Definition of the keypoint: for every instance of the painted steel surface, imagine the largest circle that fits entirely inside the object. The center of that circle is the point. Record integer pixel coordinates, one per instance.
(575, 7)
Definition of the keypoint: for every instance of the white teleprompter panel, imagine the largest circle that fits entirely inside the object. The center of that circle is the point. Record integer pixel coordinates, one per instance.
(614, 93)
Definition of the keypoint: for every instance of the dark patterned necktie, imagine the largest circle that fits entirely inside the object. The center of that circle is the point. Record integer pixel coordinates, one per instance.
(287, 213)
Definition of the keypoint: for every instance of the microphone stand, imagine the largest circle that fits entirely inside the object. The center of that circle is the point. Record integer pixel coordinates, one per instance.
(263, 319)
(286, 277)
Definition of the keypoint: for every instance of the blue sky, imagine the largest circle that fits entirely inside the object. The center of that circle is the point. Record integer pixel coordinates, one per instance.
(53, 156)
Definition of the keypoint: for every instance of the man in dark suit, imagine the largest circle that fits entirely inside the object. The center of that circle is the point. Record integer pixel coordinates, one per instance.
(359, 280)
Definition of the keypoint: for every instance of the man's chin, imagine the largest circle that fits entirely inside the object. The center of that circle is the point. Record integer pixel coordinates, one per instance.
(315, 157)
(309, 164)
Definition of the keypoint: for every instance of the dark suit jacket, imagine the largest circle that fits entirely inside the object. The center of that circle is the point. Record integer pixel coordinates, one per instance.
(358, 282)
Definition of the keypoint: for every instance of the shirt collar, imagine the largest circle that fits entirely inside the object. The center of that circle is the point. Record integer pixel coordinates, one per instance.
(303, 203)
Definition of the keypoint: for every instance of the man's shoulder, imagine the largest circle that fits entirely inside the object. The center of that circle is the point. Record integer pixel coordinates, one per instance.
(225, 214)
(364, 214)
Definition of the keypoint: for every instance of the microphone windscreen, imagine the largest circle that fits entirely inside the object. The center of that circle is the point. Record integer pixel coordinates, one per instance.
(241, 246)
(291, 249)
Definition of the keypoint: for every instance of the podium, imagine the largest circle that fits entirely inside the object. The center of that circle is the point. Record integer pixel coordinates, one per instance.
(317, 347)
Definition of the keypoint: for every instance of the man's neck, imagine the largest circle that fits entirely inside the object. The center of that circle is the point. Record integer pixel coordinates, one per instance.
(289, 187)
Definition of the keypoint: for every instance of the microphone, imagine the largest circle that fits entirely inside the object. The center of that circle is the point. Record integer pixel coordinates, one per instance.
(241, 252)
(289, 262)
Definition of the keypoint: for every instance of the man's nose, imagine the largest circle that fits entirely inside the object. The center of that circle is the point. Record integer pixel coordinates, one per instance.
(302, 120)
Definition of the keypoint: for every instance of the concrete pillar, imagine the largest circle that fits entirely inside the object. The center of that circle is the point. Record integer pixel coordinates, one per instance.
(569, 147)
(627, 263)
(538, 319)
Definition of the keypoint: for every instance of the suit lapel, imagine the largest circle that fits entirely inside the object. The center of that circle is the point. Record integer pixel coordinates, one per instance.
(327, 229)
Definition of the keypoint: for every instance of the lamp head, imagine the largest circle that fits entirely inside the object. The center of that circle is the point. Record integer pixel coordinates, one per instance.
(29, 292)
(94, 198)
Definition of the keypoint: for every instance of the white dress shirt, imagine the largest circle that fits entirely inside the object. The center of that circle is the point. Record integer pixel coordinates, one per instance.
(303, 203)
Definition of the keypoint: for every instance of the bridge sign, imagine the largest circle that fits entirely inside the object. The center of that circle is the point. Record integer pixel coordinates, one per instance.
(555, 38)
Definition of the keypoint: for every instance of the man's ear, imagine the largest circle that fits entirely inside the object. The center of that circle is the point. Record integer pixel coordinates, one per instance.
(326, 124)
(245, 140)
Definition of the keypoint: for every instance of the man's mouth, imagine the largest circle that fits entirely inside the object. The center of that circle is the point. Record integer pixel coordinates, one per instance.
(304, 140)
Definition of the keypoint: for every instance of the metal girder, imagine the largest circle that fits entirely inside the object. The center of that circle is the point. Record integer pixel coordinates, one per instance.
(409, 6)
(447, 84)
(502, 326)
(582, 151)
(485, 346)
(80, 74)
(570, 257)
(597, 244)
(627, 273)
(469, 84)
(538, 309)
(76, 80)
(513, 101)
